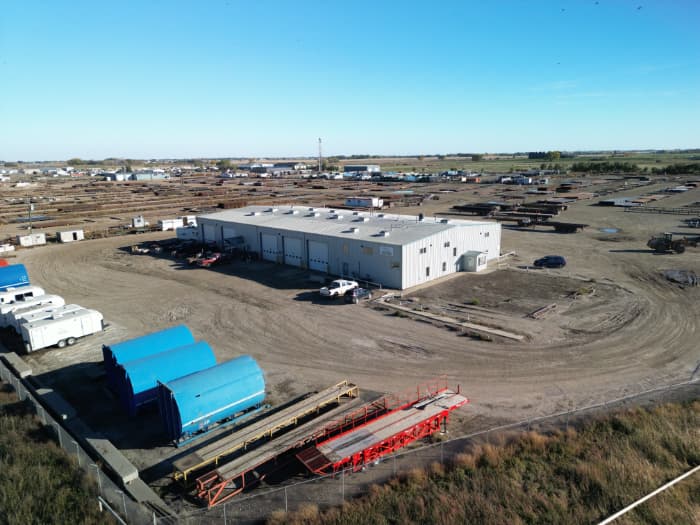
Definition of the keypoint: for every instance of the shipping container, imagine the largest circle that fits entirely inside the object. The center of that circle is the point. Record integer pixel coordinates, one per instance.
(13, 276)
(70, 236)
(61, 329)
(195, 403)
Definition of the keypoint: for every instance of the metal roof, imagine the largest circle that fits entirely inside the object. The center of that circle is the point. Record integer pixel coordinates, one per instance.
(378, 227)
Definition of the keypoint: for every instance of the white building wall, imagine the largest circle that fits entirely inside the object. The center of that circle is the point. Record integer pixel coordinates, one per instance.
(394, 266)
(71, 235)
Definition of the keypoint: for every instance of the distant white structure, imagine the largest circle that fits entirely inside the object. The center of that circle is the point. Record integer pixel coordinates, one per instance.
(33, 239)
(364, 202)
(138, 222)
(70, 236)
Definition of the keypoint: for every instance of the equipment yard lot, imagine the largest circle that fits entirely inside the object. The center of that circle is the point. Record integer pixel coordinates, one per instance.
(618, 326)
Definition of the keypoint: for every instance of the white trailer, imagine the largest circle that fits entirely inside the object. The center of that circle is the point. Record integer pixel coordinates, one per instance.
(20, 293)
(61, 329)
(36, 313)
(42, 301)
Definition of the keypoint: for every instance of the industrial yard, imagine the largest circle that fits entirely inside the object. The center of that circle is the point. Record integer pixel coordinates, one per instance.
(518, 340)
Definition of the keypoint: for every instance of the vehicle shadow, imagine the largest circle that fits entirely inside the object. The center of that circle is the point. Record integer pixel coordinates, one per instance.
(314, 297)
(637, 251)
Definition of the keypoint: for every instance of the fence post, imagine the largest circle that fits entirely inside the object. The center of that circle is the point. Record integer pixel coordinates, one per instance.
(77, 450)
(286, 508)
(99, 479)
(343, 484)
(225, 522)
(58, 433)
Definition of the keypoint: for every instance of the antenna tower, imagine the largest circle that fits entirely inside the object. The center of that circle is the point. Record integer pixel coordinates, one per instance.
(320, 158)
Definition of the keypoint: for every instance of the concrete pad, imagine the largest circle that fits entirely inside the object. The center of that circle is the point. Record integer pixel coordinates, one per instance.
(17, 364)
(59, 406)
(114, 459)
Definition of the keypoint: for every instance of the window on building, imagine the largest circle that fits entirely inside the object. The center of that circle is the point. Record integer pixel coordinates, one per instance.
(447, 244)
(368, 250)
(444, 266)
(454, 252)
(486, 234)
(346, 250)
(427, 271)
(423, 250)
(395, 265)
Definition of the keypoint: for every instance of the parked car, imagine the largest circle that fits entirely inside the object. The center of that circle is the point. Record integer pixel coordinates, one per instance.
(338, 288)
(358, 294)
(550, 261)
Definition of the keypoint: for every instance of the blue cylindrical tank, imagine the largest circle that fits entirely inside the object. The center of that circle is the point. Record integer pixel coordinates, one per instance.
(13, 276)
(195, 402)
(143, 346)
(139, 378)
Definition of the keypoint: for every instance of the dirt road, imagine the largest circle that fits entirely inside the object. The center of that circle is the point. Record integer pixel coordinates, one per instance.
(639, 331)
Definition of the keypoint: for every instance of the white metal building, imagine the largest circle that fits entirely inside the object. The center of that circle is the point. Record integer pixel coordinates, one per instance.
(399, 251)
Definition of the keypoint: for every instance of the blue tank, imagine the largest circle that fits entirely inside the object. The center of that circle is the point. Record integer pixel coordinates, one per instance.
(198, 401)
(139, 378)
(13, 276)
(143, 346)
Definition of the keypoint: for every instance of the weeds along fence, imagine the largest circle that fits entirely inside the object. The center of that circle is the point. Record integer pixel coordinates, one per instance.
(111, 498)
(320, 492)
(323, 492)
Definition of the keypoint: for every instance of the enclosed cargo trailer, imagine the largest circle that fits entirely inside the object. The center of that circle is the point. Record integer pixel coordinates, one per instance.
(61, 329)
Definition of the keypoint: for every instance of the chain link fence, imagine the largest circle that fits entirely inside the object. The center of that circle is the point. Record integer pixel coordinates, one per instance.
(323, 492)
(112, 498)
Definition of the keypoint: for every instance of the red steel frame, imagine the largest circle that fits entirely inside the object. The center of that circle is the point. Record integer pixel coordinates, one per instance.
(213, 490)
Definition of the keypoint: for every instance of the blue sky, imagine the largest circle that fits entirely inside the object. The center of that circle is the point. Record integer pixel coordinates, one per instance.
(152, 79)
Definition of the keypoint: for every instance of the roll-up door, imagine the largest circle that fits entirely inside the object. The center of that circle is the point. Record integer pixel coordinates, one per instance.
(209, 233)
(292, 251)
(318, 256)
(269, 247)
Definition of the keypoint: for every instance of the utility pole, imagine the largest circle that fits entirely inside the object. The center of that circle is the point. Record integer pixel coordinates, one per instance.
(319, 156)
(31, 207)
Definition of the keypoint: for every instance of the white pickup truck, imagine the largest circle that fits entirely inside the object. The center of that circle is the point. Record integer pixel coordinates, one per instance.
(338, 288)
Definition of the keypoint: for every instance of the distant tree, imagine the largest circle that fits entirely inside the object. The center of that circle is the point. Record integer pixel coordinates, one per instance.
(553, 155)
(224, 164)
(476, 157)
(74, 162)
(543, 166)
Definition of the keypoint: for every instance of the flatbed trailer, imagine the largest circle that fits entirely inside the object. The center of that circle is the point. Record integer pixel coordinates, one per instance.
(266, 427)
(235, 476)
(383, 435)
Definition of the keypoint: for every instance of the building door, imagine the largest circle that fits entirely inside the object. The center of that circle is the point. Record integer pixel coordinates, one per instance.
(268, 243)
(292, 251)
(318, 256)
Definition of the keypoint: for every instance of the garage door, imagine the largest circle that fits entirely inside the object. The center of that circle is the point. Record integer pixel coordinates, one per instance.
(292, 251)
(209, 233)
(318, 256)
(269, 247)
(228, 233)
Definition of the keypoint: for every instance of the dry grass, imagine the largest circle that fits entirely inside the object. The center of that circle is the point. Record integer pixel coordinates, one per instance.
(39, 482)
(573, 476)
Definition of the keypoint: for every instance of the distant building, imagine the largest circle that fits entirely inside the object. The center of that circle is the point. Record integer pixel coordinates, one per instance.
(398, 251)
(291, 166)
(362, 168)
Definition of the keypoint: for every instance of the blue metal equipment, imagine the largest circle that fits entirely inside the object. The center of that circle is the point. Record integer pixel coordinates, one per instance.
(221, 395)
(138, 383)
(141, 347)
(13, 276)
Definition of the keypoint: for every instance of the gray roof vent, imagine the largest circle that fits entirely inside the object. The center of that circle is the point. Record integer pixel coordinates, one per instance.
(354, 230)
(384, 233)
(314, 214)
(356, 213)
(271, 210)
(254, 213)
(444, 221)
(380, 215)
(293, 212)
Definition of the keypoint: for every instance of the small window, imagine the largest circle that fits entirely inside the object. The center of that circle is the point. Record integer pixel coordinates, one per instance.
(454, 252)
(346, 250)
(367, 250)
(427, 271)
(423, 250)
(395, 265)
(447, 244)
(486, 234)
(444, 266)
